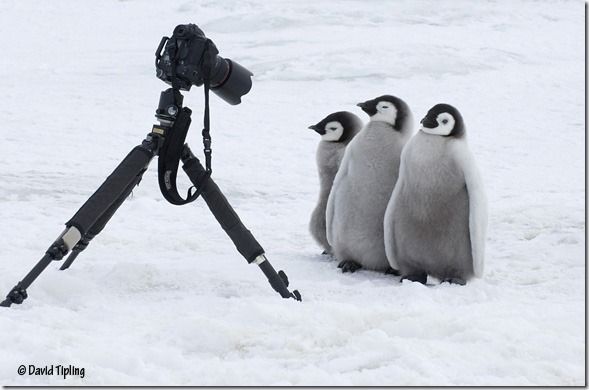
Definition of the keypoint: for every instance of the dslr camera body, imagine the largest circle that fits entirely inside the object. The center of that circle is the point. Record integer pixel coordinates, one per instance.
(190, 58)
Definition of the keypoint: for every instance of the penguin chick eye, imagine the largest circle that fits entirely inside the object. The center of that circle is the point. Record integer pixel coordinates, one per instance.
(332, 128)
(385, 106)
(444, 121)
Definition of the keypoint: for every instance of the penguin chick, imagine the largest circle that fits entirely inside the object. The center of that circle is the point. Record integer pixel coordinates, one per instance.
(363, 185)
(435, 222)
(336, 130)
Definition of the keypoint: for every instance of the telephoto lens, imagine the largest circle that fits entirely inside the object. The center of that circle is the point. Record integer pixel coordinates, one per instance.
(237, 83)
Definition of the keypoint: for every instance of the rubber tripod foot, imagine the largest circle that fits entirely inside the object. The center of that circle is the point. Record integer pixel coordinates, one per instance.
(297, 295)
(17, 295)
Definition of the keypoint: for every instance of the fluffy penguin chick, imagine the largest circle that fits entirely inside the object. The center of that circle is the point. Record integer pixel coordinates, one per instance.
(336, 131)
(435, 222)
(364, 183)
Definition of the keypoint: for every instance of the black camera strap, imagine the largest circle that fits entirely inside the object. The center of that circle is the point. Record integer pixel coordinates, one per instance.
(206, 135)
(169, 159)
(171, 152)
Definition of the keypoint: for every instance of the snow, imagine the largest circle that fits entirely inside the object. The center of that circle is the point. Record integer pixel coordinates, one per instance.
(161, 297)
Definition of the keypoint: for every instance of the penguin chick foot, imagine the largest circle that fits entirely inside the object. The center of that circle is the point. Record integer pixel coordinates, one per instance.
(349, 266)
(392, 271)
(459, 281)
(421, 278)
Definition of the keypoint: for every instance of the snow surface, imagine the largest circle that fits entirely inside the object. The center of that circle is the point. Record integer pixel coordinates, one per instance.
(161, 296)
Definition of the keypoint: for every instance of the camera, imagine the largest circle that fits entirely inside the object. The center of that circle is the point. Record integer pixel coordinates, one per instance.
(189, 58)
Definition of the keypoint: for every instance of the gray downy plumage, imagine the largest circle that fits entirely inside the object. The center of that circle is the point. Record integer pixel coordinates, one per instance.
(436, 219)
(364, 183)
(330, 152)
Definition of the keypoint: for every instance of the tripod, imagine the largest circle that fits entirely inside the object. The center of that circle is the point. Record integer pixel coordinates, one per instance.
(166, 138)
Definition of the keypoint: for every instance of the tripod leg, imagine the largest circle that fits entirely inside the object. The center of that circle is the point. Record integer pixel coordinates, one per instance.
(98, 208)
(100, 224)
(242, 238)
(55, 252)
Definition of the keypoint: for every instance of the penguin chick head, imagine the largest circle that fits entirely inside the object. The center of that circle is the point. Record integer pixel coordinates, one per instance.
(444, 120)
(337, 127)
(386, 108)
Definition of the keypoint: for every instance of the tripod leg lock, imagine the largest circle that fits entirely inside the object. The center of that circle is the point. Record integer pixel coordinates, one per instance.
(57, 250)
(64, 243)
(71, 236)
(60, 247)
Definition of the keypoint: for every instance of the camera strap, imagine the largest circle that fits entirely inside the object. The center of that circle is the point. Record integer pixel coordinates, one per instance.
(169, 159)
(206, 135)
(171, 152)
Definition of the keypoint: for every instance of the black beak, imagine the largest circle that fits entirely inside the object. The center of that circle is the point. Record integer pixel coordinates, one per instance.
(317, 129)
(429, 122)
(368, 107)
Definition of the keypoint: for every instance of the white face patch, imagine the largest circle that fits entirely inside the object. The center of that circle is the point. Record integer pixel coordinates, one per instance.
(333, 131)
(445, 125)
(385, 112)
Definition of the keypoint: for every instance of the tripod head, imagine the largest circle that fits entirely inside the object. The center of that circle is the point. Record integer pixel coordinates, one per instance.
(169, 106)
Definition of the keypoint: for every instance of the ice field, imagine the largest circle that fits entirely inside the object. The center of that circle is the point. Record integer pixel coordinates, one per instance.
(161, 297)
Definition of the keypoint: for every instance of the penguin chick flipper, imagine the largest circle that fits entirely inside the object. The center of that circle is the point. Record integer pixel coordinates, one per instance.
(420, 277)
(349, 266)
(477, 206)
(459, 281)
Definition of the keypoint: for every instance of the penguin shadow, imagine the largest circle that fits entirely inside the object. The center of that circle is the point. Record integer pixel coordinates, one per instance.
(351, 268)
(355, 270)
(324, 258)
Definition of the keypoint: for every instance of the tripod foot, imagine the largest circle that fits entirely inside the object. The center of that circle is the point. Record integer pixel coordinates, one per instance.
(278, 280)
(297, 295)
(17, 295)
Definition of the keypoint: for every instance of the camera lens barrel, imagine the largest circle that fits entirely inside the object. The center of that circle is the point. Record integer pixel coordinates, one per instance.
(219, 71)
(238, 82)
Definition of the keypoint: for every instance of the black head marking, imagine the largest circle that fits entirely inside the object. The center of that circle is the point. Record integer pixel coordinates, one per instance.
(369, 107)
(350, 122)
(430, 121)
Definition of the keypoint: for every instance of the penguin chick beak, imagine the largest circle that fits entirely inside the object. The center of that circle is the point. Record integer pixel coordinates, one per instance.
(429, 122)
(317, 129)
(367, 108)
(363, 105)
